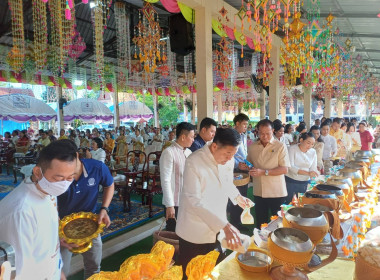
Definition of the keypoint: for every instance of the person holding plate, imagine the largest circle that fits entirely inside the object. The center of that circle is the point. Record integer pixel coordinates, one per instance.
(82, 196)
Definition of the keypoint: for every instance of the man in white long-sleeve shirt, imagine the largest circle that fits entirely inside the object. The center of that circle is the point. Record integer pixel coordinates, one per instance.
(29, 217)
(207, 186)
(172, 165)
(330, 148)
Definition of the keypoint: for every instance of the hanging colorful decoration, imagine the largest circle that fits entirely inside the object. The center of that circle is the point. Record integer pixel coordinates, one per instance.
(98, 43)
(147, 40)
(62, 33)
(40, 34)
(222, 55)
(123, 45)
(17, 54)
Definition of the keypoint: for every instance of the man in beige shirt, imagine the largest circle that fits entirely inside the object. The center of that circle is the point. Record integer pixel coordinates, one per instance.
(271, 162)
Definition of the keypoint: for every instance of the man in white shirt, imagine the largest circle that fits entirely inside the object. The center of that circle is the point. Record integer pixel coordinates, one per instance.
(29, 217)
(241, 125)
(330, 148)
(207, 186)
(172, 165)
(138, 137)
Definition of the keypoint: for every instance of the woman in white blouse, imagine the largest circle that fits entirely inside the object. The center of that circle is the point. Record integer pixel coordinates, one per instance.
(288, 136)
(97, 152)
(355, 137)
(303, 162)
(279, 133)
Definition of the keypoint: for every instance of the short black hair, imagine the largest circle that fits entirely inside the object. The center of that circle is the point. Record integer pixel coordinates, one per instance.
(325, 123)
(301, 127)
(316, 127)
(287, 127)
(240, 118)
(363, 123)
(62, 150)
(227, 137)
(264, 122)
(183, 128)
(277, 125)
(206, 123)
(306, 135)
(98, 141)
(337, 120)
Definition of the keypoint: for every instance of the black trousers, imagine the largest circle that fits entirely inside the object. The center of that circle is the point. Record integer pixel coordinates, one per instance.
(188, 250)
(235, 210)
(265, 208)
(171, 223)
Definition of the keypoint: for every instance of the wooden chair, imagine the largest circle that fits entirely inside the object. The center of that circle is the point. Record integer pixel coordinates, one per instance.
(6, 155)
(153, 179)
(29, 158)
(134, 177)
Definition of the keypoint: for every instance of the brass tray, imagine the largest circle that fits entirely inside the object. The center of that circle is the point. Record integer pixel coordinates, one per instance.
(80, 228)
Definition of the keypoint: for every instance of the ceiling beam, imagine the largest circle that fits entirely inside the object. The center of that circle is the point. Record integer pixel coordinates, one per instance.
(350, 15)
(361, 35)
(368, 50)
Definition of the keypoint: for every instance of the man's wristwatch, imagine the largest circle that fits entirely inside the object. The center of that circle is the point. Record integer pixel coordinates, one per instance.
(105, 208)
(266, 172)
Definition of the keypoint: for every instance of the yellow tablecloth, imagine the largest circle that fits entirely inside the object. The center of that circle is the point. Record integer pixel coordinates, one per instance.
(229, 269)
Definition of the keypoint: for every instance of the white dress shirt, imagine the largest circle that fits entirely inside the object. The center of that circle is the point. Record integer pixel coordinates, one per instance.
(172, 165)
(301, 161)
(288, 139)
(99, 154)
(29, 222)
(207, 186)
(330, 148)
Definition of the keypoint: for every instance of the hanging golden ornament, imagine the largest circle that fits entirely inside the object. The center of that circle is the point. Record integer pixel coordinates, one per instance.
(40, 34)
(17, 54)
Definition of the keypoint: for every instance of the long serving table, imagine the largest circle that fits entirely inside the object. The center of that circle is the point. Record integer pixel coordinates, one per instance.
(342, 268)
(229, 269)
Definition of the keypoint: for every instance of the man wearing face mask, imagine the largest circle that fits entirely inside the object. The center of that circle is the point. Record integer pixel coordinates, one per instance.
(82, 195)
(29, 217)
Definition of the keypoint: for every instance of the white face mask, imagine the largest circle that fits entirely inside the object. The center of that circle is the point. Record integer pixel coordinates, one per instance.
(53, 188)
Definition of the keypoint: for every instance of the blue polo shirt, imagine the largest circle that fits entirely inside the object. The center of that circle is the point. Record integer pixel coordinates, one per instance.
(197, 144)
(82, 195)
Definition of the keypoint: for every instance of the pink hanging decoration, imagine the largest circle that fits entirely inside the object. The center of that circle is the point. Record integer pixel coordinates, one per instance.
(250, 43)
(67, 13)
(84, 1)
(230, 32)
(171, 6)
(45, 1)
(70, 4)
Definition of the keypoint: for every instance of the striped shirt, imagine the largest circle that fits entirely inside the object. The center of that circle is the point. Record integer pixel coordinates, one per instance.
(172, 166)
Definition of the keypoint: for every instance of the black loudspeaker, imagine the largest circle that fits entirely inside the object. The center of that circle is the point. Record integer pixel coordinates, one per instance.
(181, 35)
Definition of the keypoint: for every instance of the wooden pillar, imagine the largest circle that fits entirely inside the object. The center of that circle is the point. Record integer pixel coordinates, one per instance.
(60, 121)
(193, 111)
(263, 96)
(116, 112)
(307, 92)
(203, 60)
(274, 84)
(220, 108)
(155, 112)
(327, 111)
(339, 106)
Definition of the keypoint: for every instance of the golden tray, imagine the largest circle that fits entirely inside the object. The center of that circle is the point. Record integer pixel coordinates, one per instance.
(80, 228)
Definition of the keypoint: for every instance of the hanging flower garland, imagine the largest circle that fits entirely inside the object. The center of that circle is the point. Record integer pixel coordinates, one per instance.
(123, 47)
(98, 44)
(17, 54)
(40, 34)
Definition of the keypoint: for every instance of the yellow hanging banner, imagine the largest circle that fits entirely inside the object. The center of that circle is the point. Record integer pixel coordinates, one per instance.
(187, 12)
(218, 28)
(151, 1)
